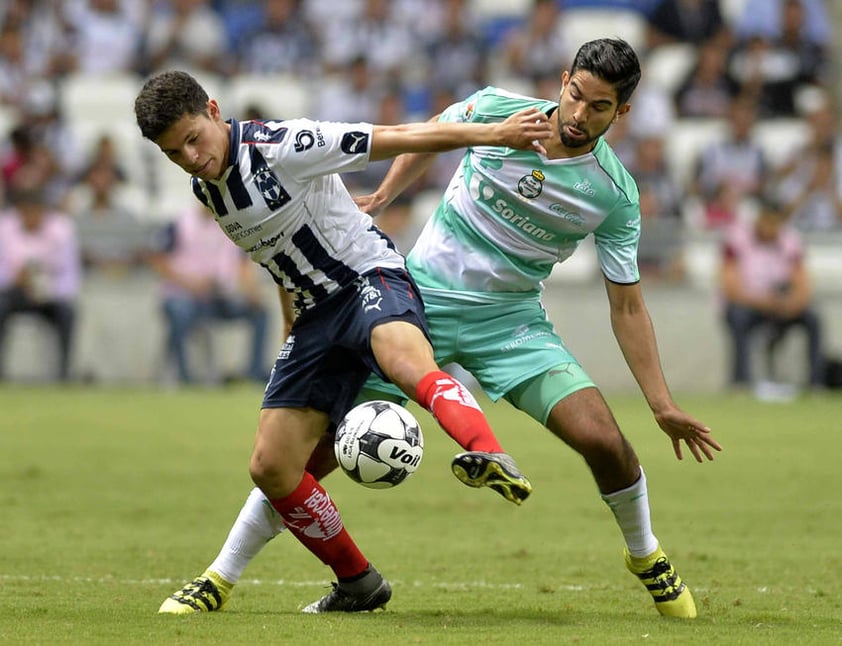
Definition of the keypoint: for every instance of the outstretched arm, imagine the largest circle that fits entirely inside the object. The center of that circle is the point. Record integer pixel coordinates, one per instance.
(523, 130)
(634, 332)
(405, 170)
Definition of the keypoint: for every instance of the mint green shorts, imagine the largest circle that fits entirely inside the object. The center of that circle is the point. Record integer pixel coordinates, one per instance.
(510, 348)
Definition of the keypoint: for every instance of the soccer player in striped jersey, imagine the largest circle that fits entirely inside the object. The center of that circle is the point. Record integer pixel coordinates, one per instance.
(274, 189)
(504, 221)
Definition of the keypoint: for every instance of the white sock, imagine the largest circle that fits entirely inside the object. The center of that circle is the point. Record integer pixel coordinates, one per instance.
(631, 509)
(256, 525)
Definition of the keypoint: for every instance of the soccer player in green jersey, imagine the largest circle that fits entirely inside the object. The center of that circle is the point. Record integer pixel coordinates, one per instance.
(504, 221)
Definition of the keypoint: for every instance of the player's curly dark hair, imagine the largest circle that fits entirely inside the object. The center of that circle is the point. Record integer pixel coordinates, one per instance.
(164, 99)
(612, 60)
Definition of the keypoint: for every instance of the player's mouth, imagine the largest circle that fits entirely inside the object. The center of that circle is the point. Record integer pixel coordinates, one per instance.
(199, 172)
(574, 133)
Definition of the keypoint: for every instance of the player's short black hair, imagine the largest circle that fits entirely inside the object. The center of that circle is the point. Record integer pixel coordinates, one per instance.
(612, 60)
(164, 99)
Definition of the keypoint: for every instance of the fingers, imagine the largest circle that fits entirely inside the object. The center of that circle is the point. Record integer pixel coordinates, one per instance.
(537, 147)
(701, 446)
(532, 114)
(676, 447)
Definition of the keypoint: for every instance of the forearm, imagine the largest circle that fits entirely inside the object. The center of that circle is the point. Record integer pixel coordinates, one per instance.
(522, 130)
(636, 337)
(430, 137)
(403, 172)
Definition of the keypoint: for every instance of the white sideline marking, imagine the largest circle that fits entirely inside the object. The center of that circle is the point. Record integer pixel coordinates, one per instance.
(457, 585)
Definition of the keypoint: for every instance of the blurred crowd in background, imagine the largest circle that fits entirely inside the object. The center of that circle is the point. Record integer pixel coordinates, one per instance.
(736, 107)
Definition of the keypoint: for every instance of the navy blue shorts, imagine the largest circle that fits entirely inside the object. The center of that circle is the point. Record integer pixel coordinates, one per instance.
(327, 357)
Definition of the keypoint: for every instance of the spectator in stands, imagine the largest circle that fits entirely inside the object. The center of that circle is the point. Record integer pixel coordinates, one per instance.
(659, 254)
(708, 90)
(721, 209)
(376, 33)
(111, 237)
(24, 154)
(104, 36)
(765, 286)
(389, 111)
(537, 47)
(813, 193)
(54, 138)
(809, 183)
(775, 68)
(736, 162)
(457, 57)
(189, 35)
(14, 75)
(206, 278)
(442, 167)
(39, 267)
(44, 34)
(766, 18)
(351, 96)
(281, 41)
(686, 21)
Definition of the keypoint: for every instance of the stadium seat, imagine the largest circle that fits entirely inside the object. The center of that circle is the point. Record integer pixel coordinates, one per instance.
(280, 96)
(8, 119)
(701, 260)
(127, 139)
(668, 65)
(731, 11)
(686, 139)
(579, 25)
(98, 98)
(781, 138)
(493, 9)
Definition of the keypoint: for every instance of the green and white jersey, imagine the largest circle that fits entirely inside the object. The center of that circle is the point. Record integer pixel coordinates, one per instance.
(508, 216)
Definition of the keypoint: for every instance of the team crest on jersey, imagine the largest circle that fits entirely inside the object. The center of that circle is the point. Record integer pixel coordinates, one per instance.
(530, 186)
(468, 112)
(270, 188)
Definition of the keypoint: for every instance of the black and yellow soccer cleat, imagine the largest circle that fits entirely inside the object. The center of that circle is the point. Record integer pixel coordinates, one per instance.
(672, 597)
(205, 593)
(496, 471)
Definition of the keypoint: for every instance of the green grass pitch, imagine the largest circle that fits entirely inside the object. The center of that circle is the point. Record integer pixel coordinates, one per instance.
(111, 499)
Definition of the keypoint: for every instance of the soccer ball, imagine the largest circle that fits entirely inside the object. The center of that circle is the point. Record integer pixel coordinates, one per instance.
(379, 444)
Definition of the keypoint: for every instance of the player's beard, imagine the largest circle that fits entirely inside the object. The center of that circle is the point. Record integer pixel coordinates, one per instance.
(587, 141)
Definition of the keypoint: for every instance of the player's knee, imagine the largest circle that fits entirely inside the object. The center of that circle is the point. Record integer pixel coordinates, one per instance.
(270, 476)
(604, 444)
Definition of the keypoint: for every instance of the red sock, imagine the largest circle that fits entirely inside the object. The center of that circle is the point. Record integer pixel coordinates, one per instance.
(455, 408)
(310, 514)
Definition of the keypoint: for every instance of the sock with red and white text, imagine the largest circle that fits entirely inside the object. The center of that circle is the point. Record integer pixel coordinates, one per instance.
(456, 410)
(309, 513)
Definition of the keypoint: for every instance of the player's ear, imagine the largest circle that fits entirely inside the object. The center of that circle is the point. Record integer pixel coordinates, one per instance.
(565, 79)
(623, 109)
(213, 109)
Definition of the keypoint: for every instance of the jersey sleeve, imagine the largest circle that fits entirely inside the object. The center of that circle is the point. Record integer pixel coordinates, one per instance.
(315, 148)
(617, 240)
(491, 105)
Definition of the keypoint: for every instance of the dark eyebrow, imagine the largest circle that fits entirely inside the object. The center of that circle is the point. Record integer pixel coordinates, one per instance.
(607, 102)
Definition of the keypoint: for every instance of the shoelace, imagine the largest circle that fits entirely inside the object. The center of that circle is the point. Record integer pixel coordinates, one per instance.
(660, 571)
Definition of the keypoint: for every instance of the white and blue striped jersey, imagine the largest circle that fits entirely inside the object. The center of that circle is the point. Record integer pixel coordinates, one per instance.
(282, 201)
